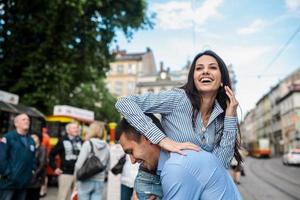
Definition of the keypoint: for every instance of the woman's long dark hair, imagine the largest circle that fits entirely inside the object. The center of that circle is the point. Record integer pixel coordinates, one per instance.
(195, 98)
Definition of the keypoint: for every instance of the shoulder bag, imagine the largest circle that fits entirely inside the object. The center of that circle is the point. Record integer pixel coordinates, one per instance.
(118, 168)
(91, 166)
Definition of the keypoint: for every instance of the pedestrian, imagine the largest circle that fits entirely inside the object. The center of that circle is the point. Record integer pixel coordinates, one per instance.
(237, 168)
(128, 175)
(17, 160)
(46, 144)
(197, 175)
(202, 113)
(68, 148)
(38, 178)
(93, 187)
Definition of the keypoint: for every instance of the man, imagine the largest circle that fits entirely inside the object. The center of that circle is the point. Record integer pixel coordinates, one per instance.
(17, 160)
(196, 175)
(68, 149)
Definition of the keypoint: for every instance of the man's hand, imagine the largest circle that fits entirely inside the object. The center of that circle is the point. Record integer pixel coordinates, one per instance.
(172, 146)
(232, 103)
(152, 197)
(58, 171)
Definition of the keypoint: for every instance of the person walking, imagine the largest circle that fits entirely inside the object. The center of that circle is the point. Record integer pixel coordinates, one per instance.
(93, 188)
(17, 160)
(68, 148)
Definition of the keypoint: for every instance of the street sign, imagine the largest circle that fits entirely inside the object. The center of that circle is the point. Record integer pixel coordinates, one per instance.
(70, 111)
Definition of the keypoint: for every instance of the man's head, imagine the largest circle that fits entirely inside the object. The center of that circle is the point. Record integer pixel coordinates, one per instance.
(137, 145)
(22, 123)
(72, 129)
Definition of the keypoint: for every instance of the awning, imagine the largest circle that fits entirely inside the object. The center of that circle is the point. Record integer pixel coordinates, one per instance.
(30, 111)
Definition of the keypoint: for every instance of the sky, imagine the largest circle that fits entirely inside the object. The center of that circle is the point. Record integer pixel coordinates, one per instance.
(249, 34)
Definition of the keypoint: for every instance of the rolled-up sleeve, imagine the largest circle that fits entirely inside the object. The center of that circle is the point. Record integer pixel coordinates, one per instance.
(225, 150)
(133, 108)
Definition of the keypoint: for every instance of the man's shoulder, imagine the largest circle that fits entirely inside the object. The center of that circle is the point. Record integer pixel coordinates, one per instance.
(10, 134)
(192, 158)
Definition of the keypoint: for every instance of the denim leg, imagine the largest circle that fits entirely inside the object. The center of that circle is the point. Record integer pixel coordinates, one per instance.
(98, 190)
(84, 190)
(126, 192)
(6, 194)
(20, 194)
(147, 184)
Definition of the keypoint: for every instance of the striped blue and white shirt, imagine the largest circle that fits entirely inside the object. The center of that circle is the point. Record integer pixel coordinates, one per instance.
(176, 118)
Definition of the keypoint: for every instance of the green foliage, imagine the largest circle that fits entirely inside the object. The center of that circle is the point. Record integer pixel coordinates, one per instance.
(94, 96)
(49, 48)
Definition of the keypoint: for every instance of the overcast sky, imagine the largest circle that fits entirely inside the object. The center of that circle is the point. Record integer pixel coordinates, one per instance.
(246, 33)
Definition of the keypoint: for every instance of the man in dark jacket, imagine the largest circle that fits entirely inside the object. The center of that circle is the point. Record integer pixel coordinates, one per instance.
(68, 149)
(17, 161)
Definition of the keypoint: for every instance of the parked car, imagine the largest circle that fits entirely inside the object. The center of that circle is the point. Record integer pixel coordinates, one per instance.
(292, 157)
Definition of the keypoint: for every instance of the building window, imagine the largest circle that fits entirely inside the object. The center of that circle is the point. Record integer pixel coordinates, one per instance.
(131, 87)
(118, 87)
(130, 69)
(120, 69)
(150, 90)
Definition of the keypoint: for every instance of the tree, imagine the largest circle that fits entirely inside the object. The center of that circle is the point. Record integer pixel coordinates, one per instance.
(95, 96)
(49, 48)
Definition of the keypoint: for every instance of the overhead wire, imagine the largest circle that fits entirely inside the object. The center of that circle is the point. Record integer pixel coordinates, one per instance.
(281, 50)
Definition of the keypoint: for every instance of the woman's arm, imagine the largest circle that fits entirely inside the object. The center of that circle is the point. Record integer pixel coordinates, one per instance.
(133, 109)
(225, 149)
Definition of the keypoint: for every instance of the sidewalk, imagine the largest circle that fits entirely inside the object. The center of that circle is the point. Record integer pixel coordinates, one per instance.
(114, 184)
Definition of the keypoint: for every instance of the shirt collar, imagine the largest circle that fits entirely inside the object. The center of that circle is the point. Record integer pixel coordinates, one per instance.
(163, 157)
(217, 110)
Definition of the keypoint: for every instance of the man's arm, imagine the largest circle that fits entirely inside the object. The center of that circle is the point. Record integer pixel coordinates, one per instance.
(225, 149)
(58, 148)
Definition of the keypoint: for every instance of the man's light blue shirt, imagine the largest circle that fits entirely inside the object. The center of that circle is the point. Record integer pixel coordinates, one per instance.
(198, 175)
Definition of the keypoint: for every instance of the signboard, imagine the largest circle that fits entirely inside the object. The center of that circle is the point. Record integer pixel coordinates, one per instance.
(70, 111)
(9, 97)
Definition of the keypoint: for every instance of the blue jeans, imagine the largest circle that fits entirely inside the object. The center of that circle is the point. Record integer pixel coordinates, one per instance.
(90, 190)
(126, 192)
(147, 184)
(17, 194)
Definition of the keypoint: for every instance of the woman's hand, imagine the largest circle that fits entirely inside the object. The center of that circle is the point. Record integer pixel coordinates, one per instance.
(232, 103)
(172, 146)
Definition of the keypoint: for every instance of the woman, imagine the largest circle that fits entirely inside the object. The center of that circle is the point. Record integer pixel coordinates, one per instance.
(93, 187)
(200, 114)
(38, 178)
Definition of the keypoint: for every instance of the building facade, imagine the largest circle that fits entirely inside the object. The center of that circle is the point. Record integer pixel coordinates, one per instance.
(163, 80)
(124, 71)
(277, 116)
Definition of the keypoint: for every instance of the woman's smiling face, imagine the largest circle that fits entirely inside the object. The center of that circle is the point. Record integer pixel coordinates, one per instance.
(207, 75)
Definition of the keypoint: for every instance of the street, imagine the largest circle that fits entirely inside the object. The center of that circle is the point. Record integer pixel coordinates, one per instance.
(269, 179)
(265, 179)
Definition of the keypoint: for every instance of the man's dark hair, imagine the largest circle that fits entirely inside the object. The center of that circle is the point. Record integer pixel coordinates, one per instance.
(125, 128)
